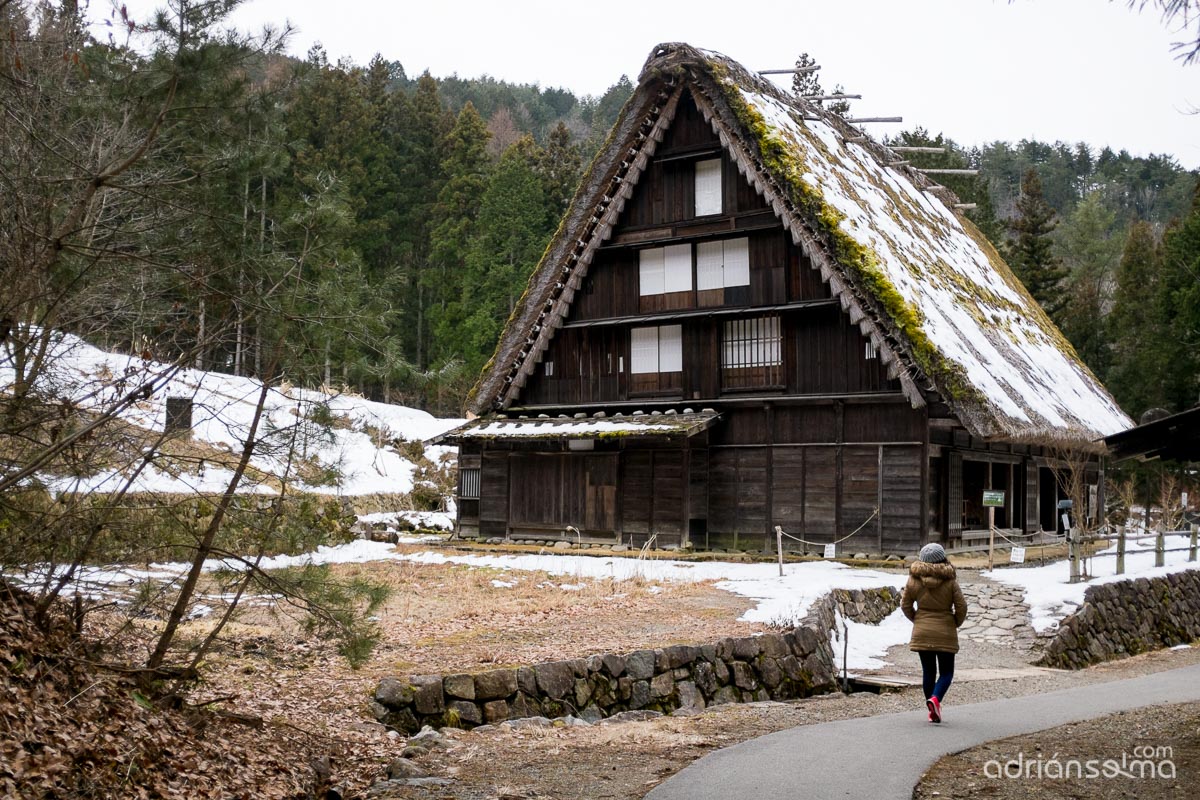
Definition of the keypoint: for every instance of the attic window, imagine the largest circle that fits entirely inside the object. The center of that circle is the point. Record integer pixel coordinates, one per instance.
(657, 349)
(723, 263)
(708, 187)
(548, 368)
(872, 352)
(663, 270)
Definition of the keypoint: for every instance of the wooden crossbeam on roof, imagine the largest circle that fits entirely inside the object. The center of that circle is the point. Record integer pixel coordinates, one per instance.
(931, 171)
(913, 149)
(798, 71)
(874, 119)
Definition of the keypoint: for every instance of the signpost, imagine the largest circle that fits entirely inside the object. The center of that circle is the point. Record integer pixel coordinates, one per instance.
(831, 551)
(1017, 556)
(992, 499)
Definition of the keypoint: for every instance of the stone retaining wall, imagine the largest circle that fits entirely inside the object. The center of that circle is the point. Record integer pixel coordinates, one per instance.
(997, 614)
(1126, 618)
(772, 666)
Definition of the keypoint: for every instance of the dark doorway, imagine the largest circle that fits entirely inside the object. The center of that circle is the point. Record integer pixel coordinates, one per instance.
(1048, 497)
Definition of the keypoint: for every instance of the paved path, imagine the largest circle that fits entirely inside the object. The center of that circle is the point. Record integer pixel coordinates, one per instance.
(883, 757)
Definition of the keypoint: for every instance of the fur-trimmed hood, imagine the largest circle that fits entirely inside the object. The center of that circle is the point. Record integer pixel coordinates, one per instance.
(932, 574)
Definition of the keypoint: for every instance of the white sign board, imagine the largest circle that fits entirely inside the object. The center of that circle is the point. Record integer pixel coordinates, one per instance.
(1017, 556)
(1183, 499)
(831, 551)
(1066, 521)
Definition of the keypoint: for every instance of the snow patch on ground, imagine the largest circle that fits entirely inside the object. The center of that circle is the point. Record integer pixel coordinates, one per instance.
(864, 645)
(422, 520)
(357, 446)
(1051, 597)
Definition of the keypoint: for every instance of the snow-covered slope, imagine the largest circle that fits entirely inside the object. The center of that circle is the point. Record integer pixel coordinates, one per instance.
(349, 437)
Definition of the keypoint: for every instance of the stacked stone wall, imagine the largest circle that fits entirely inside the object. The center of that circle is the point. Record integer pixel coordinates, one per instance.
(773, 666)
(1126, 618)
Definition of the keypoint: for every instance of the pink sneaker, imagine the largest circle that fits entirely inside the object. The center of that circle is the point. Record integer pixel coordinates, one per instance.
(935, 709)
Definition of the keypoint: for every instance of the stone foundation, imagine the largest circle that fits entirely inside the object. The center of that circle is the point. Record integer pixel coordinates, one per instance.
(1126, 618)
(773, 666)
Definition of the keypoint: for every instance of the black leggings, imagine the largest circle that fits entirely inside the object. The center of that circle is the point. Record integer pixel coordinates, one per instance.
(933, 662)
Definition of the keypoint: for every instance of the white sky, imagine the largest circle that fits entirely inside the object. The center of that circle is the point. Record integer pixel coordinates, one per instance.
(977, 70)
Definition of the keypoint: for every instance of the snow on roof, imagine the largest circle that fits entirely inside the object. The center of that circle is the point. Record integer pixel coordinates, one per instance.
(987, 334)
(656, 424)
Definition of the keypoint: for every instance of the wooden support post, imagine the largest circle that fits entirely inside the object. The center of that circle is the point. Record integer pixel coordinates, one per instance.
(991, 535)
(1073, 550)
(1121, 551)
(1160, 546)
(1192, 546)
(779, 547)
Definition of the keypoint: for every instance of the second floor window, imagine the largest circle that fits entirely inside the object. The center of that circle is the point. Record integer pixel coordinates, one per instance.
(751, 353)
(723, 263)
(658, 349)
(663, 270)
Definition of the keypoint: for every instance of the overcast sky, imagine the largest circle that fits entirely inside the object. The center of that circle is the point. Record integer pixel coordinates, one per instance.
(977, 70)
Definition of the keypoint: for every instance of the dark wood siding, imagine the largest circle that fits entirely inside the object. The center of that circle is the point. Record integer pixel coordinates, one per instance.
(737, 510)
(493, 495)
(828, 356)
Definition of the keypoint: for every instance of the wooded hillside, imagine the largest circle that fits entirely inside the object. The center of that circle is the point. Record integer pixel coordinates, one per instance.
(351, 225)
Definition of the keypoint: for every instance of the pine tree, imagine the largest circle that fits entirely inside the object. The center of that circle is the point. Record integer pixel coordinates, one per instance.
(1090, 254)
(559, 168)
(1030, 251)
(1134, 327)
(1179, 300)
(467, 168)
(805, 84)
(512, 233)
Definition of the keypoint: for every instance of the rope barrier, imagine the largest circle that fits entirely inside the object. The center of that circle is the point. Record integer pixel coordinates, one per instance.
(779, 529)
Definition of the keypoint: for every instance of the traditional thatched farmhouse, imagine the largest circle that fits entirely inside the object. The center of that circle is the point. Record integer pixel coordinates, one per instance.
(753, 316)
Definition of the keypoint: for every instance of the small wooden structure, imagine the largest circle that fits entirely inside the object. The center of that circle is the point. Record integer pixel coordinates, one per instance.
(753, 316)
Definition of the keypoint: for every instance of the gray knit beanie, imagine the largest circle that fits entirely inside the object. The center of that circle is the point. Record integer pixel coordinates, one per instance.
(933, 553)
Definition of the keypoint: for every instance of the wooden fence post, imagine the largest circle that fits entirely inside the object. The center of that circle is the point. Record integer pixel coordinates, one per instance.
(1073, 552)
(779, 547)
(1160, 546)
(1121, 551)
(1192, 547)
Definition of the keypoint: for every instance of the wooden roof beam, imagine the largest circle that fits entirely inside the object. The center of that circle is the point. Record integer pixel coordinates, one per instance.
(798, 71)
(930, 171)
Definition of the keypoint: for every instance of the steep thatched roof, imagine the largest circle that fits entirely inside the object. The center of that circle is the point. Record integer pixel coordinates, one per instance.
(947, 314)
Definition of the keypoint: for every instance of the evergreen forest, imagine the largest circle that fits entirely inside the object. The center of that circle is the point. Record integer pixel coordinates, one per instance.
(351, 225)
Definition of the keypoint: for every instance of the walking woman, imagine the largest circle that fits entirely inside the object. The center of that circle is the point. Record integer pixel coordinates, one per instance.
(940, 610)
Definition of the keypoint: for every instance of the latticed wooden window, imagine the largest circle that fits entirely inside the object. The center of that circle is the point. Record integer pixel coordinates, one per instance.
(468, 484)
(752, 353)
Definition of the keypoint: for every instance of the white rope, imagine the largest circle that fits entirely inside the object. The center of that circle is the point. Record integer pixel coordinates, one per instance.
(782, 532)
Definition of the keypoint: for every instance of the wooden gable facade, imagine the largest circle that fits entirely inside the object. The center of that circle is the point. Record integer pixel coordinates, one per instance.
(704, 384)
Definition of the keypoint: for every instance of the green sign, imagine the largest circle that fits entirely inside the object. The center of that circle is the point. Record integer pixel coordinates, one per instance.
(993, 498)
